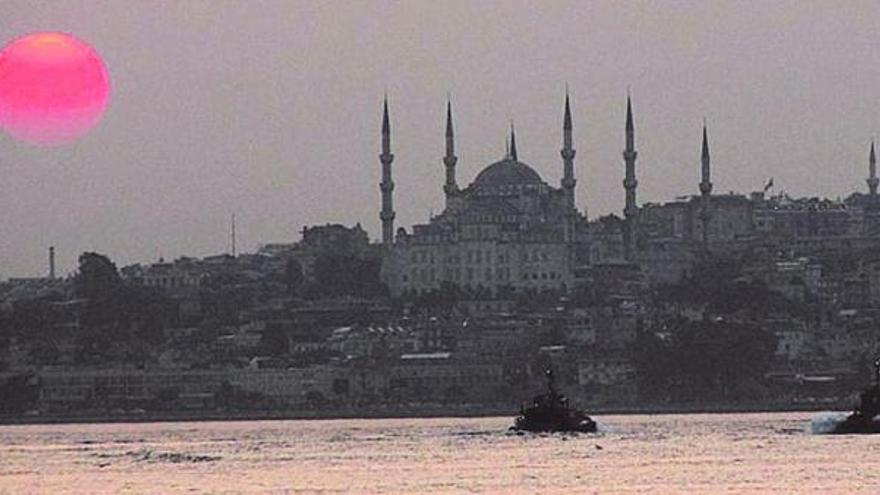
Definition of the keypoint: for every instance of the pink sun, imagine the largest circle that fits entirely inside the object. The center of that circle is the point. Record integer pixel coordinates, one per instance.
(53, 88)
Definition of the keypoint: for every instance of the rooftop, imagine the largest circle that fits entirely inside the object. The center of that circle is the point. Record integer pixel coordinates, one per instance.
(507, 172)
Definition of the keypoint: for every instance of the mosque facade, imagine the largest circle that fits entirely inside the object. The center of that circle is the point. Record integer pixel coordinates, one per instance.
(509, 230)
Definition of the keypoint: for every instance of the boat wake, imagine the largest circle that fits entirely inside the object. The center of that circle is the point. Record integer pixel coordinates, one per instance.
(826, 422)
(604, 428)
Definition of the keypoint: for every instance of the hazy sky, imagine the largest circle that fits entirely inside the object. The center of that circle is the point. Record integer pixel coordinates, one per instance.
(271, 110)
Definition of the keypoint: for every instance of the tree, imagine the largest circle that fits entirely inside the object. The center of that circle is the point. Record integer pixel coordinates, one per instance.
(438, 301)
(225, 395)
(98, 281)
(18, 393)
(453, 394)
(119, 322)
(225, 303)
(165, 397)
(705, 360)
(44, 352)
(293, 276)
(97, 278)
(150, 311)
(718, 283)
(315, 399)
(347, 275)
(5, 327)
(274, 340)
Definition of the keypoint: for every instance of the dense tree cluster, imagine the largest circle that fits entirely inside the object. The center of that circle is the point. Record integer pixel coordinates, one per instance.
(108, 320)
(118, 320)
(720, 352)
(18, 393)
(723, 288)
(343, 274)
(704, 360)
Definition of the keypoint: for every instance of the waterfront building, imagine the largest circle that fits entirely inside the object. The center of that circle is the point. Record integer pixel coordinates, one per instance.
(194, 389)
(441, 376)
(373, 342)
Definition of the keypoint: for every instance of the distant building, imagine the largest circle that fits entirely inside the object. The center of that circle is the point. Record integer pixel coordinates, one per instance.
(196, 389)
(606, 377)
(442, 377)
(181, 275)
(384, 342)
(329, 239)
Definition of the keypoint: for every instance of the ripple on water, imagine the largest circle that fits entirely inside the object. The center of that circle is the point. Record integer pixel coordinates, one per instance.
(154, 456)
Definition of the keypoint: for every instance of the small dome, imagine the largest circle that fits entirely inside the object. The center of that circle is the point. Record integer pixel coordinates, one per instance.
(507, 172)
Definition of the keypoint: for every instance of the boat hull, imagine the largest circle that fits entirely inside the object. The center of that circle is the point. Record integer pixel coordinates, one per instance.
(582, 428)
(583, 424)
(857, 425)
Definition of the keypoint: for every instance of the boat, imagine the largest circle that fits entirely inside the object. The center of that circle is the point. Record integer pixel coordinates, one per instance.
(864, 417)
(551, 412)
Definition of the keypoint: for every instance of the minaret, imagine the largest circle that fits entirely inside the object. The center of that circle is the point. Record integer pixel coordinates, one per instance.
(567, 152)
(872, 172)
(630, 211)
(450, 188)
(387, 185)
(705, 189)
(568, 181)
(512, 152)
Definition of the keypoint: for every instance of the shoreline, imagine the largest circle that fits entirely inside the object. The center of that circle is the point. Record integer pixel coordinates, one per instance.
(471, 411)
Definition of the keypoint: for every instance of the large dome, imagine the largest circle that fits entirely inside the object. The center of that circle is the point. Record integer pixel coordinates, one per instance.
(507, 172)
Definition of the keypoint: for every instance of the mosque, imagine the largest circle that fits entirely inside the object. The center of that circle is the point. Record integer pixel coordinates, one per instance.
(511, 231)
(508, 230)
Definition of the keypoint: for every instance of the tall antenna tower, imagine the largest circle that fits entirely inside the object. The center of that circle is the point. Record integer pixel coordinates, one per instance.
(52, 262)
(233, 236)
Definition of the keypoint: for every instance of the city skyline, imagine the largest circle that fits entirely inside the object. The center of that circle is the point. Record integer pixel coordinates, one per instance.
(217, 138)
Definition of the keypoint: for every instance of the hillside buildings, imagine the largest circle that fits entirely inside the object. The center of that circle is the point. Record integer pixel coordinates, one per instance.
(509, 277)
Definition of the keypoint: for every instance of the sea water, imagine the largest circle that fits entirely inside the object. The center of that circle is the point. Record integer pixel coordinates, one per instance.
(685, 453)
